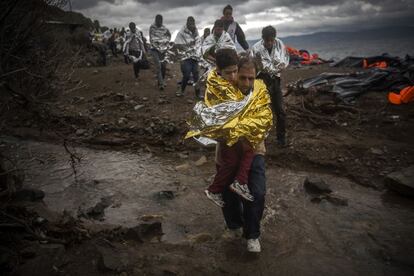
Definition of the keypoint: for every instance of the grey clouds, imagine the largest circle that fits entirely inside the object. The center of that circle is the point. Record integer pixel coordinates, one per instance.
(290, 17)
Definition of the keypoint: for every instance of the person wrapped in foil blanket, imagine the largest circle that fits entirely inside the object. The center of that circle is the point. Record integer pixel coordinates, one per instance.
(229, 115)
(274, 62)
(160, 48)
(135, 49)
(134, 42)
(273, 57)
(212, 44)
(160, 38)
(188, 44)
(218, 39)
(160, 41)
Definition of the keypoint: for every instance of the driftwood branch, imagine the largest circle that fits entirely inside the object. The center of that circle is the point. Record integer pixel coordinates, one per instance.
(13, 72)
(29, 230)
(74, 159)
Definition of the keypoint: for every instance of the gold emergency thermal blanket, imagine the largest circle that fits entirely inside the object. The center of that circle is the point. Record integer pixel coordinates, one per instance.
(229, 115)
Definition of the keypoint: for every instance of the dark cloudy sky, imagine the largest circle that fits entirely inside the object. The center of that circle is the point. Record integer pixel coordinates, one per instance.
(290, 17)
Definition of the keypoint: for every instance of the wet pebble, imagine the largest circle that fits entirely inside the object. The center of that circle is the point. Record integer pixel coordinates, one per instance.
(80, 131)
(138, 107)
(122, 120)
(183, 167)
(201, 161)
(151, 217)
(182, 155)
(376, 151)
(165, 195)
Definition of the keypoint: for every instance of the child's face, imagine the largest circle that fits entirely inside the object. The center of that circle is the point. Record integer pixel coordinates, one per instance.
(229, 73)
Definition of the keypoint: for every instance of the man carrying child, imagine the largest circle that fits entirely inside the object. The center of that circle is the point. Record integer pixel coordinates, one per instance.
(240, 120)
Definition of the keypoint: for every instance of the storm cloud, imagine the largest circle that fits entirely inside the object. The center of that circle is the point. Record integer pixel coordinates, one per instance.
(290, 17)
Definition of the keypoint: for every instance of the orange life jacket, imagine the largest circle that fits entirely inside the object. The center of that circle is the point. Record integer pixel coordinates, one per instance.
(406, 95)
(305, 56)
(378, 64)
(292, 51)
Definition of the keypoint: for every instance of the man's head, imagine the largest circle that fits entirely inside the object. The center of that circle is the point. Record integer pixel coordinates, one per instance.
(247, 74)
(218, 28)
(132, 26)
(226, 62)
(158, 20)
(268, 36)
(228, 13)
(206, 32)
(191, 23)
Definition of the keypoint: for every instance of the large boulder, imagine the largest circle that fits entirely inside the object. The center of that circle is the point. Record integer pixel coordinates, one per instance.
(401, 181)
(315, 185)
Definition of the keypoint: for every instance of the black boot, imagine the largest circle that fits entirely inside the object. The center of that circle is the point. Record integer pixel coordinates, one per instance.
(281, 141)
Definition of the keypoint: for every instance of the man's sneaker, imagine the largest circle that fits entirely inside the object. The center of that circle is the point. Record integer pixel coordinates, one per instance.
(242, 190)
(253, 245)
(179, 93)
(216, 198)
(231, 234)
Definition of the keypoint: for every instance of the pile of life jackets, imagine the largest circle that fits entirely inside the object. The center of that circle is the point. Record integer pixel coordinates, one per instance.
(303, 57)
(406, 95)
(382, 73)
(381, 62)
(376, 64)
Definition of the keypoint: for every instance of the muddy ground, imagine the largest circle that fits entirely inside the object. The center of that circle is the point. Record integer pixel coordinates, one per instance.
(132, 200)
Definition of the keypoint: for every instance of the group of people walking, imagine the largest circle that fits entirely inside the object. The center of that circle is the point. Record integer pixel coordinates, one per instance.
(240, 89)
(197, 55)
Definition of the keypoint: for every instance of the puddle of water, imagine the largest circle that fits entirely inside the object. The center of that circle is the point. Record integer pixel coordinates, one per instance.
(135, 183)
(375, 228)
(131, 180)
(373, 233)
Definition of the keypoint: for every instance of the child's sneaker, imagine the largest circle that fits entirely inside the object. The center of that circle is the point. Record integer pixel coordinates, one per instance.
(242, 190)
(216, 198)
(253, 245)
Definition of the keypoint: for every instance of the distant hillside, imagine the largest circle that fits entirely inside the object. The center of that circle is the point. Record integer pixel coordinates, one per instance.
(394, 40)
(57, 14)
(374, 34)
